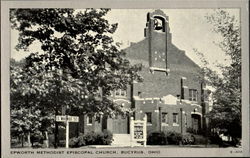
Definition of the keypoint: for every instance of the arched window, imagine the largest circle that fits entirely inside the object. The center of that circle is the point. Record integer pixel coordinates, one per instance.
(159, 23)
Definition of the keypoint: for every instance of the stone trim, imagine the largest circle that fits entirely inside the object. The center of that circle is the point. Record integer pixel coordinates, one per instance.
(198, 113)
(122, 100)
(159, 69)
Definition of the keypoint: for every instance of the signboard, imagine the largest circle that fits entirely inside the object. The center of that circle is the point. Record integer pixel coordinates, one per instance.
(67, 119)
(138, 130)
(63, 118)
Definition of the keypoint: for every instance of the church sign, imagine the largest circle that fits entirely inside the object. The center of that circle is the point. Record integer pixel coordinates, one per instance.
(138, 130)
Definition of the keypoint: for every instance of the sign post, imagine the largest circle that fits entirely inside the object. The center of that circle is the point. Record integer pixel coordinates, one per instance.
(67, 119)
(138, 130)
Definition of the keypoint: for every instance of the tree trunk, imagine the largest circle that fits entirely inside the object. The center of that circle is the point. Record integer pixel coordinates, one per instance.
(22, 140)
(46, 140)
(56, 132)
(28, 139)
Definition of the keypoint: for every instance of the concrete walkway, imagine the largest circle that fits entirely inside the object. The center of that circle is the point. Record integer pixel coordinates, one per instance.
(152, 146)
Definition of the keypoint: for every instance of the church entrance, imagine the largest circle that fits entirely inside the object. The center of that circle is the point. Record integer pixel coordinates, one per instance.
(120, 124)
(196, 122)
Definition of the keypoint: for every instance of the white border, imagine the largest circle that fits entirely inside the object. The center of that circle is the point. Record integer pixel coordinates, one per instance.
(164, 152)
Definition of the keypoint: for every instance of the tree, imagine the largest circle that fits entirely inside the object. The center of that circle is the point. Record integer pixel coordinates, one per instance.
(226, 112)
(78, 64)
(27, 117)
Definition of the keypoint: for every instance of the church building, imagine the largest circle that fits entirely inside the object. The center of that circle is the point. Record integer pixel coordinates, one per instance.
(172, 94)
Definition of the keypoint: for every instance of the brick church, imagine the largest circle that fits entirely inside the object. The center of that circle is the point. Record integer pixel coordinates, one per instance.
(171, 95)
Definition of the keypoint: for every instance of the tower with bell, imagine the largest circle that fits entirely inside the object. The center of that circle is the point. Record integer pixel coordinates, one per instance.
(157, 34)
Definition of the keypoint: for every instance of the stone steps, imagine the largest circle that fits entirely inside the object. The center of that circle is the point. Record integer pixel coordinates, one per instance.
(123, 140)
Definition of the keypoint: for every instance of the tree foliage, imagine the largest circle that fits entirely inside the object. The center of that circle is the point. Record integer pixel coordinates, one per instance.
(79, 57)
(226, 112)
(77, 64)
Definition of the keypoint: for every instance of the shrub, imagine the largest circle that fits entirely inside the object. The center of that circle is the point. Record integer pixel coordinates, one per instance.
(107, 137)
(157, 138)
(92, 138)
(188, 139)
(77, 141)
(199, 140)
(215, 139)
(36, 139)
(174, 138)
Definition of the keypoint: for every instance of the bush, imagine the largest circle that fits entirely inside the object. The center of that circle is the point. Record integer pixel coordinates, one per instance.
(92, 138)
(215, 139)
(162, 138)
(157, 138)
(36, 139)
(199, 140)
(188, 139)
(77, 141)
(107, 137)
(174, 138)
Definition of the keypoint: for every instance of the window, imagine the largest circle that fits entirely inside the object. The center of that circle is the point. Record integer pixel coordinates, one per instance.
(175, 119)
(89, 120)
(193, 94)
(164, 118)
(121, 93)
(185, 120)
(149, 117)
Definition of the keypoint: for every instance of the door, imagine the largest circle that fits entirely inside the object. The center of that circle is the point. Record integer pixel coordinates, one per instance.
(196, 122)
(120, 125)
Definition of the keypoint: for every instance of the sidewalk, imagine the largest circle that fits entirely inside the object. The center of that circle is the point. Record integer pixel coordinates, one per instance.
(153, 146)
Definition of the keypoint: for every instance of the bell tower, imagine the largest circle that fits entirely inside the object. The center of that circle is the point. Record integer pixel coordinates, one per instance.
(157, 34)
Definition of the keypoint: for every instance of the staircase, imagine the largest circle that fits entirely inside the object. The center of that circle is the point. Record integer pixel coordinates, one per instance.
(123, 140)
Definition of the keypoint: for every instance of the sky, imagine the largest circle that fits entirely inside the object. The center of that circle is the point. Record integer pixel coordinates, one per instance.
(189, 27)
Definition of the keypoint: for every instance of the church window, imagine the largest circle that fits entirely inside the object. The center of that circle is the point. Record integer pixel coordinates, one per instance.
(89, 120)
(193, 94)
(175, 119)
(164, 118)
(155, 58)
(120, 93)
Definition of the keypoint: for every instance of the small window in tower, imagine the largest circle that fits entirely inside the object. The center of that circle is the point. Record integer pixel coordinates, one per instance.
(155, 52)
(163, 59)
(155, 58)
(139, 93)
(149, 117)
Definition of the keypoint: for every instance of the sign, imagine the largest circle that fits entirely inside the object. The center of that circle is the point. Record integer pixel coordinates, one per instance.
(67, 119)
(138, 130)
